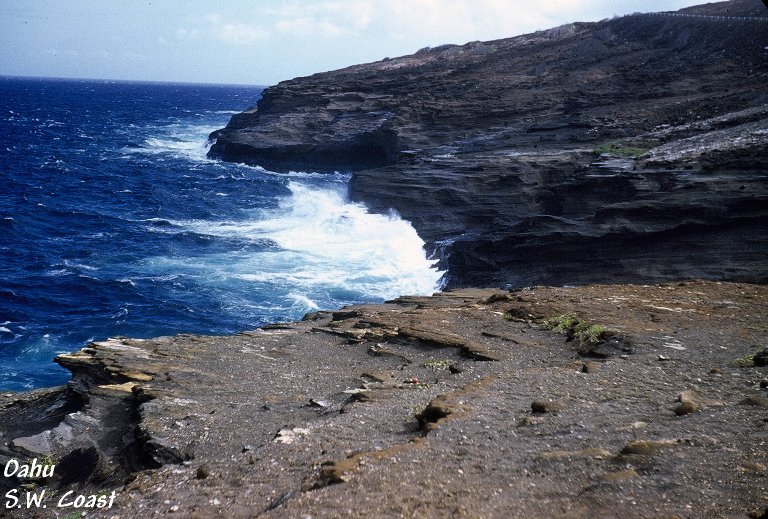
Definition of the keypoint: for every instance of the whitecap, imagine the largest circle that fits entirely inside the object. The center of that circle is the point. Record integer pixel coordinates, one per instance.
(3, 329)
(186, 140)
(57, 273)
(324, 244)
(121, 313)
(79, 266)
(304, 301)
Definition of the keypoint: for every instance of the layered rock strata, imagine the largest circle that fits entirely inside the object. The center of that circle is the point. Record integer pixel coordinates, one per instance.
(595, 401)
(628, 149)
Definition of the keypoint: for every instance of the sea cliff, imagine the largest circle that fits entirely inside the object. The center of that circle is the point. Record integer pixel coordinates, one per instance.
(631, 149)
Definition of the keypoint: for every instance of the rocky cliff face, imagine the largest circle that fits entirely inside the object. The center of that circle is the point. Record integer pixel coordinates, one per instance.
(628, 149)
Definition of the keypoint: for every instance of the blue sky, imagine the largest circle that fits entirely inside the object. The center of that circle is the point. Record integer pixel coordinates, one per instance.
(261, 41)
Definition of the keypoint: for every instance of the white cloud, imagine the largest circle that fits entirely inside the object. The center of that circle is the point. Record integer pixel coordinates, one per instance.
(310, 26)
(457, 21)
(337, 18)
(219, 27)
(236, 33)
(440, 21)
(240, 33)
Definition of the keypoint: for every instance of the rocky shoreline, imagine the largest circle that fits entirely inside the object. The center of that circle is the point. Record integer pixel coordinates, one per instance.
(643, 401)
(627, 150)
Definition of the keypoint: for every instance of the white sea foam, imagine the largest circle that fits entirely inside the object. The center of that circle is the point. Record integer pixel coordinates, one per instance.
(303, 301)
(188, 141)
(175, 146)
(327, 250)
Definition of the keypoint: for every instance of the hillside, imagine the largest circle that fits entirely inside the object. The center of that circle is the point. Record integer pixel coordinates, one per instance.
(629, 149)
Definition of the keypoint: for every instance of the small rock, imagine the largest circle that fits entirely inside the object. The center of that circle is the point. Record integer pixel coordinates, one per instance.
(529, 420)
(715, 371)
(687, 407)
(174, 508)
(688, 396)
(752, 467)
(455, 368)
(247, 448)
(290, 435)
(546, 406)
(613, 344)
(495, 298)
(647, 447)
(662, 358)
(761, 358)
(591, 367)
(764, 384)
(202, 472)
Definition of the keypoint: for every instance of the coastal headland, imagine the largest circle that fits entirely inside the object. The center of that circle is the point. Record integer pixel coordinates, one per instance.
(607, 180)
(624, 150)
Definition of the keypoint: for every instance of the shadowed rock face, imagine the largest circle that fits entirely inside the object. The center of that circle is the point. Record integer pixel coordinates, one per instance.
(623, 150)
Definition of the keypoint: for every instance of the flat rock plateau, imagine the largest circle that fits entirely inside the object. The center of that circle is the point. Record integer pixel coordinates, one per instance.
(470, 403)
(593, 172)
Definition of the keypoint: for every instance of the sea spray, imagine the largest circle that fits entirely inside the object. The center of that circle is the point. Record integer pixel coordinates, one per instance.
(324, 251)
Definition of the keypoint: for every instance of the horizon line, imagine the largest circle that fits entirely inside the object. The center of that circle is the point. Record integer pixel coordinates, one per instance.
(111, 80)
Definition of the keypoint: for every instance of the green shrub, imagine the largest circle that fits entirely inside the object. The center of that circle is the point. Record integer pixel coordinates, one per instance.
(624, 149)
(587, 334)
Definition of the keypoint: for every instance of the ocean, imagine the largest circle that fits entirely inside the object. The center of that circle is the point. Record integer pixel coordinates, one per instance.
(114, 223)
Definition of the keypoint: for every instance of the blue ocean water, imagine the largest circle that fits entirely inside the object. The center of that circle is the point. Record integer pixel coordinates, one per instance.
(114, 223)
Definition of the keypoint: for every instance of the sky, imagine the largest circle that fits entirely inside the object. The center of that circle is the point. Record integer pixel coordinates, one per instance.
(261, 42)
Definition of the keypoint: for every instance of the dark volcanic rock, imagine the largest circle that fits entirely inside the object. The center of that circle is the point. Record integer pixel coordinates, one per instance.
(627, 149)
(525, 435)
